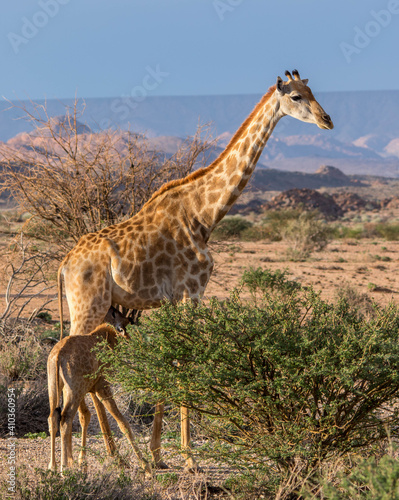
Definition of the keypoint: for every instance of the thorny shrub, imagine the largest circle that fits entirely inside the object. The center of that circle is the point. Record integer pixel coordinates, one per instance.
(282, 379)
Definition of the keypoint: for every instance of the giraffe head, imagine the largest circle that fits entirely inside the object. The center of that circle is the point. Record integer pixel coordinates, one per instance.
(297, 100)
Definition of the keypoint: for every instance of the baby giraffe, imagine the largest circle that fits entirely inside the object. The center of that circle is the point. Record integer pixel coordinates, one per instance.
(70, 368)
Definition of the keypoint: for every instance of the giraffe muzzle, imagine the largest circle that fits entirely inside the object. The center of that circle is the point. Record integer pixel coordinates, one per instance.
(326, 122)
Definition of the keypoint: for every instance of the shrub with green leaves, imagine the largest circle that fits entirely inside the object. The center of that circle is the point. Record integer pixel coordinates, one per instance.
(275, 221)
(231, 227)
(306, 234)
(371, 479)
(388, 231)
(280, 378)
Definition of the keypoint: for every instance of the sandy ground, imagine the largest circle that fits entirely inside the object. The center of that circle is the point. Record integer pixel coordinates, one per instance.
(368, 266)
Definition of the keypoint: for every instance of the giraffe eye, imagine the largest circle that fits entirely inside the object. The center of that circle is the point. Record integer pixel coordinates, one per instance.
(296, 97)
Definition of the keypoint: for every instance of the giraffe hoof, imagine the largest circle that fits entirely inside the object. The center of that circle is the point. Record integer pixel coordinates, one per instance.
(160, 465)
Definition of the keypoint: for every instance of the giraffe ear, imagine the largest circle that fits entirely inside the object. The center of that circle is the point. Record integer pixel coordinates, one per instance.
(279, 85)
(305, 81)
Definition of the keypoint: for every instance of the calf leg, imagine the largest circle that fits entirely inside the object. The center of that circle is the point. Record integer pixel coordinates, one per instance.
(105, 394)
(67, 414)
(103, 421)
(84, 419)
(55, 386)
(53, 425)
(106, 431)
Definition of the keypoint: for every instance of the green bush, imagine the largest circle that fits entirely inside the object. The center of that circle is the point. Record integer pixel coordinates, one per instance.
(265, 280)
(388, 231)
(372, 479)
(384, 230)
(280, 379)
(306, 234)
(231, 227)
(256, 232)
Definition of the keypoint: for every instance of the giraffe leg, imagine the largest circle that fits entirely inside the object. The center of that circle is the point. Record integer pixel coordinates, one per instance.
(105, 394)
(53, 425)
(106, 431)
(103, 421)
(84, 419)
(55, 410)
(191, 465)
(155, 444)
(67, 414)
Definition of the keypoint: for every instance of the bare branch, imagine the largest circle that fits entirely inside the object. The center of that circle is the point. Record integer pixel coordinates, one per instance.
(27, 281)
(74, 181)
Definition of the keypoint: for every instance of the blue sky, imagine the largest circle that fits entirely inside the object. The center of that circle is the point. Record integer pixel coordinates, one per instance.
(109, 48)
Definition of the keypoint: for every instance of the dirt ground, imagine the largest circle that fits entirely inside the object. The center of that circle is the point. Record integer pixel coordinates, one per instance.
(368, 266)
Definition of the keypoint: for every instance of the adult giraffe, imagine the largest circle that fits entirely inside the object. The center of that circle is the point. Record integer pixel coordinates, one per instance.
(161, 252)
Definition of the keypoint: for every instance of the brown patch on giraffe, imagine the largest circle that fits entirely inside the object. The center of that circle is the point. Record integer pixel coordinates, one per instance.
(180, 273)
(148, 279)
(195, 268)
(213, 197)
(203, 260)
(147, 267)
(245, 146)
(88, 276)
(232, 162)
(193, 286)
(204, 277)
(170, 248)
(190, 254)
(254, 128)
(180, 240)
(219, 184)
(235, 179)
(130, 256)
(154, 250)
(162, 260)
(145, 293)
(140, 254)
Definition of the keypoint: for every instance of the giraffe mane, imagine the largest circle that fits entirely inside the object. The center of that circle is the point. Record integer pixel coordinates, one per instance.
(203, 171)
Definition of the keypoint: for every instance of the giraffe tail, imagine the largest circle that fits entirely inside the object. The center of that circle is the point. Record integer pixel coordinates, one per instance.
(60, 305)
(54, 392)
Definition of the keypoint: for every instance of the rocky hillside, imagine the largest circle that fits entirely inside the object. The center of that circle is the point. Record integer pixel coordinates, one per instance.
(332, 206)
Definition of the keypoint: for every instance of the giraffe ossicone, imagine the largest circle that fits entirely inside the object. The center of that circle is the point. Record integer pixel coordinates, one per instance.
(161, 252)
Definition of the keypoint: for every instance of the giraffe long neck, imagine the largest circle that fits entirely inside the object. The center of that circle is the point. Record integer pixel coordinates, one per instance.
(214, 193)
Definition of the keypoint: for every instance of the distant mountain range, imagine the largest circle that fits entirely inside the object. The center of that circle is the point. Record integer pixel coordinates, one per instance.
(365, 139)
